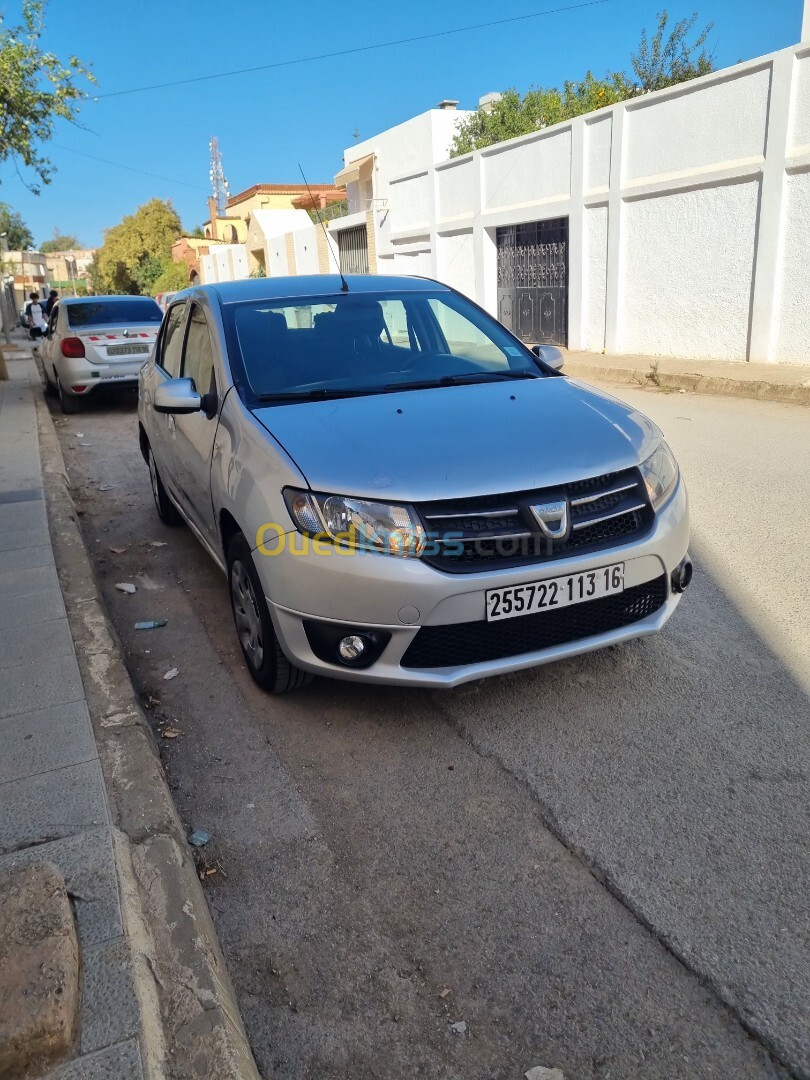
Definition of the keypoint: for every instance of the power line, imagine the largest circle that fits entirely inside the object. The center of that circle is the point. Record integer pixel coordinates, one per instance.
(129, 168)
(348, 52)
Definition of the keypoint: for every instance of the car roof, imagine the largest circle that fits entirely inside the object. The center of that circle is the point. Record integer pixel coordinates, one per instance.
(233, 292)
(94, 299)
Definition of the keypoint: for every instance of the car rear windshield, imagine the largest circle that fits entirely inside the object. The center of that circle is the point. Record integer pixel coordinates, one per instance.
(314, 347)
(114, 312)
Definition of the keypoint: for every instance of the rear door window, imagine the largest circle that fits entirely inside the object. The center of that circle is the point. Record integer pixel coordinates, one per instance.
(198, 355)
(171, 345)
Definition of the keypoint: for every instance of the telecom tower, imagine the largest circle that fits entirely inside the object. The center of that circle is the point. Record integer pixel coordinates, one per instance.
(219, 185)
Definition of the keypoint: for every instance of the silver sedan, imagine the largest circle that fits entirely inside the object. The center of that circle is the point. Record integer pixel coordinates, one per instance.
(399, 490)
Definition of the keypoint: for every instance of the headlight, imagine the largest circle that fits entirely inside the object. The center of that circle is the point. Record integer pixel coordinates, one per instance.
(660, 474)
(391, 529)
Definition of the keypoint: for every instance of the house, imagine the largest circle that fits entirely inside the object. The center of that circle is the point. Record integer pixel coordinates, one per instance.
(29, 271)
(69, 269)
(232, 227)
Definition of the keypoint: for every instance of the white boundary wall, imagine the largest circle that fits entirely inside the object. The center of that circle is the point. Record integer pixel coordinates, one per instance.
(689, 215)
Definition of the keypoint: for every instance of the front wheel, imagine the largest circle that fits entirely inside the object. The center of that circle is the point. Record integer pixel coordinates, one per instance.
(266, 662)
(167, 511)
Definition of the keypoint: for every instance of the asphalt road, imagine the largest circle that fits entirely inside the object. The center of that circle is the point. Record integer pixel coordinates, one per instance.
(604, 861)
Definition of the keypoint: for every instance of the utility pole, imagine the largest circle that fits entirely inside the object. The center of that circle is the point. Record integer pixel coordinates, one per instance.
(219, 185)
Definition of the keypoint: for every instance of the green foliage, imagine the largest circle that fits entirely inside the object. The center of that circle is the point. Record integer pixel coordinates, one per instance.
(658, 63)
(173, 277)
(65, 288)
(136, 252)
(60, 242)
(198, 233)
(18, 234)
(37, 89)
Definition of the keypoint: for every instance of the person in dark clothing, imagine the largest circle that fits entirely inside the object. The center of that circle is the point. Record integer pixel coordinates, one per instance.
(52, 298)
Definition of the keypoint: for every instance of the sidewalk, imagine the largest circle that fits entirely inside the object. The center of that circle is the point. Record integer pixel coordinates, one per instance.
(82, 789)
(763, 382)
(52, 790)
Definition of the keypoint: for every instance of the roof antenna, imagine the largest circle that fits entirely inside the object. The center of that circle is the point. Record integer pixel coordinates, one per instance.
(344, 287)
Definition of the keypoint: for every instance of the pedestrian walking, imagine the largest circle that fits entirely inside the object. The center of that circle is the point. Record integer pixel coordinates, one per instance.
(36, 317)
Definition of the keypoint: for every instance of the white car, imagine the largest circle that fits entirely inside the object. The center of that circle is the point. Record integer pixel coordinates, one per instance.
(95, 341)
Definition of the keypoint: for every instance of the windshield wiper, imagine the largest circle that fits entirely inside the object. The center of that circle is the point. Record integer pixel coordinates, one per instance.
(320, 394)
(460, 380)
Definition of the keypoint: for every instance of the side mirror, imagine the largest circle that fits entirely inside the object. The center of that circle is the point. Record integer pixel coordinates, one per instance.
(177, 396)
(550, 355)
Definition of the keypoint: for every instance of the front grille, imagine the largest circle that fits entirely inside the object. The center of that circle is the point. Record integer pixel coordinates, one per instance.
(500, 530)
(476, 642)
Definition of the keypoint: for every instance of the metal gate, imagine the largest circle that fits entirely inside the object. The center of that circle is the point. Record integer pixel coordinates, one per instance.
(353, 250)
(533, 280)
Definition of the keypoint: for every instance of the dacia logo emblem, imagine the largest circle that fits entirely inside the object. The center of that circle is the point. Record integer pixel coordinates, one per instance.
(553, 518)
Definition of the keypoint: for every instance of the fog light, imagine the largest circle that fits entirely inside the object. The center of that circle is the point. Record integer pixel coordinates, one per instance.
(78, 389)
(682, 575)
(351, 648)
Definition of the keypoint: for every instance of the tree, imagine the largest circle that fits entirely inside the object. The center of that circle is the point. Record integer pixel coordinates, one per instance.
(134, 252)
(60, 242)
(662, 63)
(173, 277)
(197, 232)
(36, 88)
(18, 234)
(656, 64)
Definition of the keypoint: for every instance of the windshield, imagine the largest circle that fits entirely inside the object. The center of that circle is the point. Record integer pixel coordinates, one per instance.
(129, 309)
(359, 343)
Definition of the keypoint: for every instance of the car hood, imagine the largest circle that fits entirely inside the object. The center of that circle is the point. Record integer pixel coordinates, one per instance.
(460, 441)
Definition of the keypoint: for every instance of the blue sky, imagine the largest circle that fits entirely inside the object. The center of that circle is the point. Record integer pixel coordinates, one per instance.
(269, 121)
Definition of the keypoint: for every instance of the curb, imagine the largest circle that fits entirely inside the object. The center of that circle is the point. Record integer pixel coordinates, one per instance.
(192, 1027)
(755, 389)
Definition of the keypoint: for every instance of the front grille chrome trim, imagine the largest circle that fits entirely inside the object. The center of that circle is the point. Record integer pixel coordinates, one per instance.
(608, 517)
(485, 537)
(584, 499)
(511, 511)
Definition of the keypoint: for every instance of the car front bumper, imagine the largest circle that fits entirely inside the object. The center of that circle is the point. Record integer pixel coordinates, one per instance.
(401, 596)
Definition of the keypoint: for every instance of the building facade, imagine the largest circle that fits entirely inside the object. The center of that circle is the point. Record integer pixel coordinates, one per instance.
(68, 270)
(674, 224)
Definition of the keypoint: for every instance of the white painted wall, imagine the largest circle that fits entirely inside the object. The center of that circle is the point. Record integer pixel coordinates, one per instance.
(688, 209)
(225, 262)
(306, 250)
(402, 152)
(687, 277)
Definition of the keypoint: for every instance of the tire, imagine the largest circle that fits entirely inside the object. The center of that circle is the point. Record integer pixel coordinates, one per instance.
(50, 386)
(69, 402)
(265, 660)
(167, 511)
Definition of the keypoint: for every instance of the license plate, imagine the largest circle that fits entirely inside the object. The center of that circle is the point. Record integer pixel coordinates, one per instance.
(554, 593)
(127, 350)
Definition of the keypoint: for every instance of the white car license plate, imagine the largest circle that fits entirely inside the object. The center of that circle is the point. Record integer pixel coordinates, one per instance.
(127, 350)
(553, 593)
